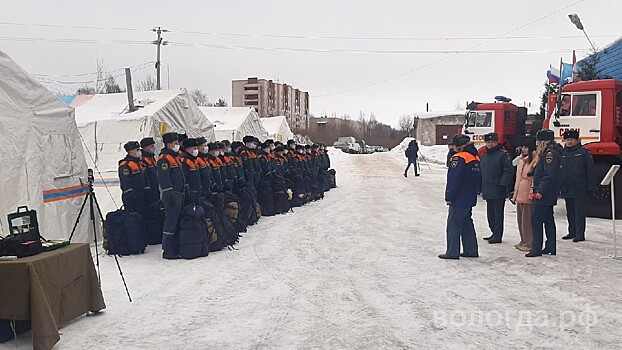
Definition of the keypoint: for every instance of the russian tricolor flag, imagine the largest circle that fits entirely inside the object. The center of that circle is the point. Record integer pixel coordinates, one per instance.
(553, 75)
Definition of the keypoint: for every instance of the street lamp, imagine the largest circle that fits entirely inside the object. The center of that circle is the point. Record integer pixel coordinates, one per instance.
(574, 18)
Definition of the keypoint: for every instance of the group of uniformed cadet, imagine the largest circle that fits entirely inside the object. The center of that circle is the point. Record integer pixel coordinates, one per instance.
(191, 169)
(544, 172)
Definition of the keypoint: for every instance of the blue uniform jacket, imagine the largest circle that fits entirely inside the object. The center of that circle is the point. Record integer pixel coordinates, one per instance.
(464, 178)
(578, 177)
(170, 176)
(547, 176)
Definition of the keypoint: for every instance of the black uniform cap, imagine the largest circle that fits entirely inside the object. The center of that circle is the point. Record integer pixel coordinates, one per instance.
(235, 145)
(248, 138)
(491, 136)
(545, 135)
(279, 149)
(190, 143)
(146, 142)
(131, 145)
(571, 134)
(221, 145)
(170, 137)
(265, 145)
(212, 146)
(289, 142)
(201, 140)
(300, 147)
(182, 137)
(460, 140)
(307, 146)
(315, 146)
(269, 141)
(226, 142)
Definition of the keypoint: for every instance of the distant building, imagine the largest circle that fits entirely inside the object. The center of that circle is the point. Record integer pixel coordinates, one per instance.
(272, 99)
(437, 128)
(610, 61)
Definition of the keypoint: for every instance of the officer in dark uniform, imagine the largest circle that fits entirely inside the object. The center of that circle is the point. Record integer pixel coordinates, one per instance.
(172, 186)
(133, 180)
(463, 183)
(497, 179)
(191, 170)
(204, 168)
(546, 185)
(578, 181)
(148, 159)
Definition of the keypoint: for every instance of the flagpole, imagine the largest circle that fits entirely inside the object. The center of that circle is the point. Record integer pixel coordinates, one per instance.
(559, 86)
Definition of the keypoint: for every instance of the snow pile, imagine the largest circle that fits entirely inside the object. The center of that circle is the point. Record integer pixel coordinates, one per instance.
(432, 154)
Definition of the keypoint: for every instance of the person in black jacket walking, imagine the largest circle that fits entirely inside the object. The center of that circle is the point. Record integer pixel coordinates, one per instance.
(577, 182)
(546, 185)
(497, 179)
(412, 154)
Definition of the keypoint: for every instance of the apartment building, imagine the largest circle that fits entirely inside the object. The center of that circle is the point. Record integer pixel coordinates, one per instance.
(271, 99)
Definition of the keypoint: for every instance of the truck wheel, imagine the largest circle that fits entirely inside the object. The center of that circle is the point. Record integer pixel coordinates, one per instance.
(599, 201)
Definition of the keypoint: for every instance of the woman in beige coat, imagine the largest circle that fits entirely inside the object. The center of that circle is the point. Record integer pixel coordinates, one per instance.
(522, 188)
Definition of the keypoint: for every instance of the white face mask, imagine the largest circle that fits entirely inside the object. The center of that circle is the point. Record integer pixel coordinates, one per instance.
(205, 149)
(216, 154)
(267, 150)
(138, 154)
(195, 153)
(229, 150)
(176, 148)
(272, 148)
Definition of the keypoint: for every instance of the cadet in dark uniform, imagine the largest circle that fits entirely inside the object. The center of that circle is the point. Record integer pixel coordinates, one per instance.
(133, 179)
(497, 178)
(172, 186)
(148, 159)
(546, 184)
(191, 170)
(578, 180)
(463, 183)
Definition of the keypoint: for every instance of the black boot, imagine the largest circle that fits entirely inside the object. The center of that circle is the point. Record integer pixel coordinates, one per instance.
(532, 254)
(568, 236)
(577, 239)
(488, 238)
(548, 251)
(469, 255)
(445, 256)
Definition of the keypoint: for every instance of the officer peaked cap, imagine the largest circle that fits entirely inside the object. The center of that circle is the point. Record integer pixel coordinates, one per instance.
(131, 145)
(460, 140)
(190, 143)
(545, 135)
(146, 142)
(170, 137)
(571, 134)
(491, 136)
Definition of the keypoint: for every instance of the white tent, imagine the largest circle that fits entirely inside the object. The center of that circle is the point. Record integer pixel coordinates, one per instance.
(278, 128)
(43, 164)
(106, 125)
(233, 123)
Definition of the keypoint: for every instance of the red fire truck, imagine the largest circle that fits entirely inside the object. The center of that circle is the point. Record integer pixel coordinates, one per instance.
(594, 108)
(503, 117)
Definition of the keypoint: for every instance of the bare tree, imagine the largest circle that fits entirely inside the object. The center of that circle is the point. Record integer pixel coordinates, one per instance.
(406, 124)
(221, 102)
(86, 90)
(147, 84)
(199, 97)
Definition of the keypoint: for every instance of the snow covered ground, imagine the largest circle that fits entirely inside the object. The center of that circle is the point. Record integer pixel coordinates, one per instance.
(359, 270)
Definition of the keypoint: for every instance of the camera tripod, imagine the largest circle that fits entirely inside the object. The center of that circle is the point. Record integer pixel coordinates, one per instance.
(90, 197)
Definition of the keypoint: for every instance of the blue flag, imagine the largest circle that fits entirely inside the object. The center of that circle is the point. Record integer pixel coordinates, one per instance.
(566, 73)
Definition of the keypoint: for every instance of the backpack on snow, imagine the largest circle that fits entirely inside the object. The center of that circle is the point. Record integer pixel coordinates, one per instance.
(193, 233)
(125, 231)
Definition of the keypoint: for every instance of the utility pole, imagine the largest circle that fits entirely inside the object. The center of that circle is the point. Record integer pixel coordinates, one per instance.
(159, 42)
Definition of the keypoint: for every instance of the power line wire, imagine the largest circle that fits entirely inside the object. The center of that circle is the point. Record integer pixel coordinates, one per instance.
(452, 55)
(312, 37)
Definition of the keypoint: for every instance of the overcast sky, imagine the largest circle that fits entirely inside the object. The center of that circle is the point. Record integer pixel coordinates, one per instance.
(307, 59)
